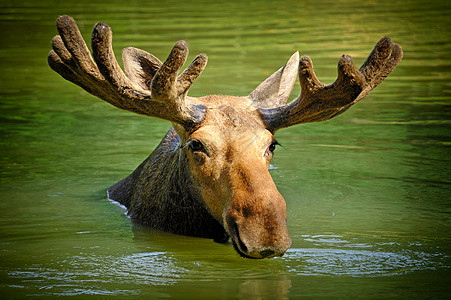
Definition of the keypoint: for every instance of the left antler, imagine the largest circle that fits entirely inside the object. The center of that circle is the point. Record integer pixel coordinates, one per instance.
(320, 102)
(150, 87)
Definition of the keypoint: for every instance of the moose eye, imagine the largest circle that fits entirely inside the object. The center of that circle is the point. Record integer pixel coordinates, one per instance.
(272, 147)
(196, 146)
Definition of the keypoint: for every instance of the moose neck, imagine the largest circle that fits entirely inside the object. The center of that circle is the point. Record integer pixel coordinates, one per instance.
(161, 193)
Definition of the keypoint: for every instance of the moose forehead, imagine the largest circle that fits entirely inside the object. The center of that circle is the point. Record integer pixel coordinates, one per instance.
(231, 123)
(229, 113)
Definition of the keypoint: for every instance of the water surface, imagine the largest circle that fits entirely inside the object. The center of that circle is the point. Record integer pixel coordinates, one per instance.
(367, 193)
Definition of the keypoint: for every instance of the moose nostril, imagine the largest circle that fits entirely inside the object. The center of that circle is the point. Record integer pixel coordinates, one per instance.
(240, 242)
(267, 252)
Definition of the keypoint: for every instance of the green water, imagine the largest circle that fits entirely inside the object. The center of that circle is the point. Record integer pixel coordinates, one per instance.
(368, 193)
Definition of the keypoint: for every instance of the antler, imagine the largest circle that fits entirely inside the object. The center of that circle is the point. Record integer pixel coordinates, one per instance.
(150, 87)
(320, 102)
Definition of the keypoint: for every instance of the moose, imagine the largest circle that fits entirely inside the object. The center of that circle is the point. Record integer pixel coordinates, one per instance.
(209, 175)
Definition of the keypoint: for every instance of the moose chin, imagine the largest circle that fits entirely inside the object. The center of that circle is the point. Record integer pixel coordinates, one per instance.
(209, 175)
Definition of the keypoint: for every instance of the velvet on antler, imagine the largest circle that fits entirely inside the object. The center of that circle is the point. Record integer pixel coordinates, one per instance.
(320, 102)
(150, 87)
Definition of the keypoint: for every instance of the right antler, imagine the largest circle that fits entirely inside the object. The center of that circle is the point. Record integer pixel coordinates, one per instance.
(150, 88)
(320, 102)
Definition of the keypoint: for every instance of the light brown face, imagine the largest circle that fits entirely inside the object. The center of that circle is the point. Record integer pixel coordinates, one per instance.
(229, 156)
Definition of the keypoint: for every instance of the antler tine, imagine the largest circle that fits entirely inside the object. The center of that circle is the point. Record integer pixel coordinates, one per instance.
(380, 54)
(320, 102)
(74, 44)
(102, 50)
(104, 78)
(187, 78)
(167, 85)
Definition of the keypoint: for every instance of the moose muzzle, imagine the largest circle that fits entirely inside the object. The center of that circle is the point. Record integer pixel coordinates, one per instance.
(258, 227)
(256, 217)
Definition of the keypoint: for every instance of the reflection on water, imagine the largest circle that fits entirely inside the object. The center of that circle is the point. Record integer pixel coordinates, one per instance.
(260, 288)
(367, 193)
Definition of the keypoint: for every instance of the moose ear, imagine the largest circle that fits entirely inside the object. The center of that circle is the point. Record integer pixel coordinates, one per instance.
(140, 66)
(275, 90)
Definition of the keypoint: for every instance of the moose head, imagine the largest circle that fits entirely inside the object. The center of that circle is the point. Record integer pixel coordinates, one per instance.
(209, 176)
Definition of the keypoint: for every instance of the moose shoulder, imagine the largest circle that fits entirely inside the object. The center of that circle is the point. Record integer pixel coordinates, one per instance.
(209, 175)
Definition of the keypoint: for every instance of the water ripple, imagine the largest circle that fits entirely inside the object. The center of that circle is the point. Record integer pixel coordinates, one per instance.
(103, 275)
(334, 255)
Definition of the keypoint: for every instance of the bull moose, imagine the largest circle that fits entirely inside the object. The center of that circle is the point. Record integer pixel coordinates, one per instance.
(209, 175)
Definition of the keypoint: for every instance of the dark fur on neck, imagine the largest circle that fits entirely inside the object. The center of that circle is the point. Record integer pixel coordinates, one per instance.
(162, 193)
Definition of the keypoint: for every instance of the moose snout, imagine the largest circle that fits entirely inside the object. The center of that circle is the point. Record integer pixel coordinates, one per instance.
(258, 231)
